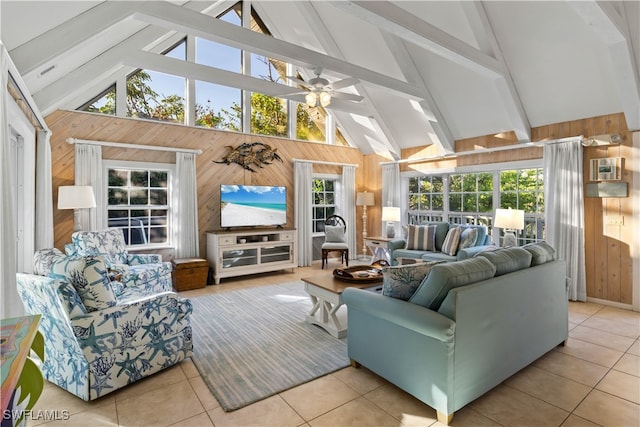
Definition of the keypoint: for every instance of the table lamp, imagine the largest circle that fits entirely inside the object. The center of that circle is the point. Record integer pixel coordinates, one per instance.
(509, 220)
(391, 215)
(364, 199)
(76, 197)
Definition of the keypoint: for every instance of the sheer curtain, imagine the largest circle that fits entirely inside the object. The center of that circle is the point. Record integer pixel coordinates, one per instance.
(303, 183)
(348, 210)
(185, 207)
(88, 171)
(11, 305)
(564, 209)
(44, 196)
(390, 189)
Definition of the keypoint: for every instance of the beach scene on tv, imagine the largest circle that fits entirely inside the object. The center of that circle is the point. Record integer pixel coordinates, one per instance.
(252, 205)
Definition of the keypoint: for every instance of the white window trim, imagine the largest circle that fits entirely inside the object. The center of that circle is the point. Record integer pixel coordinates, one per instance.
(170, 167)
(329, 176)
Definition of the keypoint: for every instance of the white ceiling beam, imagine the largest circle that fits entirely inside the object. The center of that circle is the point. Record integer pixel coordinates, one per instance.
(40, 51)
(504, 83)
(173, 17)
(316, 24)
(445, 139)
(60, 93)
(399, 22)
(612, 27)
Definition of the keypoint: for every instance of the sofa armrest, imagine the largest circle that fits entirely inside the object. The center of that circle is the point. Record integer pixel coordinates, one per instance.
(402, 313)
(137, 259)
(473, 251)
(396, 244)
(132, 322)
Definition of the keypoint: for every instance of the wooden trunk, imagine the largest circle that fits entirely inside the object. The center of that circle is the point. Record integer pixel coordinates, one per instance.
(190, 273)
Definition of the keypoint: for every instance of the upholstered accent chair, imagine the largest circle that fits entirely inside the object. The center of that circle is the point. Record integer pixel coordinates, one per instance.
(138, 270)
(335, 239)
(97, 339)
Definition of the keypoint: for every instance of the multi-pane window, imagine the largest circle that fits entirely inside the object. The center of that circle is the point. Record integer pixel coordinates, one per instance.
(524, 189)
(426, 193)
(158, 96)
(138, 204)
(470, 198)
(324, 202)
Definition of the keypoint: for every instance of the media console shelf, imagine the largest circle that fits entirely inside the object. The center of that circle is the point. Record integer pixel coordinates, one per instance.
(236, 253)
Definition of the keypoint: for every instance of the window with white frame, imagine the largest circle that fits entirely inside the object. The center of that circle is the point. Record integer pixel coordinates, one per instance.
(138, 202)
(324, 202)
(472, 197)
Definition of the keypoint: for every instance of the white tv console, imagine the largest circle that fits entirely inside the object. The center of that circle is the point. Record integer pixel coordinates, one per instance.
(236, 253)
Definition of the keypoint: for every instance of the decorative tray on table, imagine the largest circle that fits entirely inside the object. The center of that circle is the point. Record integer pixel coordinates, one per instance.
(360, 273)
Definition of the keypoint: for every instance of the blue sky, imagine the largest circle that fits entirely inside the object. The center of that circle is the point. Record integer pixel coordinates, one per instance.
(252, 194)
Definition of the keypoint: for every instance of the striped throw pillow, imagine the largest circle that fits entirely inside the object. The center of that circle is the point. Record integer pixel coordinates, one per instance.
(450, 245)
(421, 237)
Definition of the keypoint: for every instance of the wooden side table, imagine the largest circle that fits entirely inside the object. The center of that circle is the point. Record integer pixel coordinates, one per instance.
(378, 247)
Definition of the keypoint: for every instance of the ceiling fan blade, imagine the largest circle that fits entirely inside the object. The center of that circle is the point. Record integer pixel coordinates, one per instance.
(299, 81)
(344, 83)
(347, 96)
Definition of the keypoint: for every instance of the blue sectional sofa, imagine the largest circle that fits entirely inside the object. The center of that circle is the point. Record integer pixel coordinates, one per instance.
(470, 325)
(399, 249)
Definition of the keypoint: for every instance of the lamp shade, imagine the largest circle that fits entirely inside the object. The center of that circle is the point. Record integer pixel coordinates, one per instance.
(512, 219)
(76, 197)
(390, 213)
(364, 199)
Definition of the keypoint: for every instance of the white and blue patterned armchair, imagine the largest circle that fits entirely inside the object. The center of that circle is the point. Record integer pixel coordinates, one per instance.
(97, 341)
(137, 270)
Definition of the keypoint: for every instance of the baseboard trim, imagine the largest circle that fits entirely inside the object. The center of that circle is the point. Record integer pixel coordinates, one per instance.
(611, 303)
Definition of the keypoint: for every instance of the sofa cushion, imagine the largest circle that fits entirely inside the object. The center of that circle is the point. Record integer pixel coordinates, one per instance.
(43, 259)
(421, 237)
(450, 245)
(89, 277)
(508, 260)
(468, 237)
(541, 252)
(403, 280)
(334, 234)
(443, 277)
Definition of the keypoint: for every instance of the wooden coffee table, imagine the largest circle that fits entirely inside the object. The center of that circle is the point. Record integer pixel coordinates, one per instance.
(326, 296)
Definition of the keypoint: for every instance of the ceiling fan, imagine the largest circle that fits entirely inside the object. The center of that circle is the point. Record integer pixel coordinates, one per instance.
(319, 90)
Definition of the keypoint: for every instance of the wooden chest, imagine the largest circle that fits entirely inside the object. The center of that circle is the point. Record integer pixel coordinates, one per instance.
(189, 273)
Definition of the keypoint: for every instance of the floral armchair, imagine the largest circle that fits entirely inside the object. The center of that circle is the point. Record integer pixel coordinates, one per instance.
(146, 270)
(97, 341)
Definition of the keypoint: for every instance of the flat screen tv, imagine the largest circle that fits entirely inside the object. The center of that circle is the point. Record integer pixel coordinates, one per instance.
(252, 206)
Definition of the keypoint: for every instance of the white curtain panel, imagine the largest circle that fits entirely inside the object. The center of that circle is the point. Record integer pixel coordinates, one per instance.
(89, 171)
(390, 190)
(349, 206)
(564, 209)
(44, 196)
(185, 207)
(303, 183)
(10, 305)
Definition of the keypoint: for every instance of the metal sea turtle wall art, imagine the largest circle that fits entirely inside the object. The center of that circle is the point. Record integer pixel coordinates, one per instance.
(250, 155)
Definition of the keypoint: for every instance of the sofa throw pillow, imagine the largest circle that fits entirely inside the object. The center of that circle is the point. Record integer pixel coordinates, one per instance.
(444, 277)
(421, 237)
(43, 259)
(334, 234)
(402, 281)
(468, 237)
(450, 245)
(88, 276)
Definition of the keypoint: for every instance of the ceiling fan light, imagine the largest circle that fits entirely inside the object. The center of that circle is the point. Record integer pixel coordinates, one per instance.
(311, 99)
(325, 99)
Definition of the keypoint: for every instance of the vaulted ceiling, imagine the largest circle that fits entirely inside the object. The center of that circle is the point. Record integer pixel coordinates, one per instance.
(430, 72)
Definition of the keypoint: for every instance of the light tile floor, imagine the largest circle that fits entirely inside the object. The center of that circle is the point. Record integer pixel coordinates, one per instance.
(592, 381)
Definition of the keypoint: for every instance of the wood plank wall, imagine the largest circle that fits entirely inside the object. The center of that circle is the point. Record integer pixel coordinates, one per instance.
(209, 175)
(608, 256)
